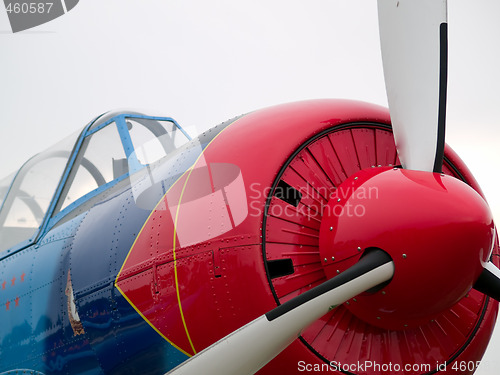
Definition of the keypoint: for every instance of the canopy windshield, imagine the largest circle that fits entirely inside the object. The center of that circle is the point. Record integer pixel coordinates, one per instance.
(78, 168)
(31, 192)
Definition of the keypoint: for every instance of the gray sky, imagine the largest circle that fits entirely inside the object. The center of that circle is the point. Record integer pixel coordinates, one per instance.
(203, 62)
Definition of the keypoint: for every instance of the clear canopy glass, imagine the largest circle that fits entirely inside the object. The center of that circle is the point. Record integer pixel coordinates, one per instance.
(31, 192)
(82, 165)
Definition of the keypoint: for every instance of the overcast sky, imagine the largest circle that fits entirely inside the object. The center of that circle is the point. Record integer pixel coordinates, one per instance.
(202, 62)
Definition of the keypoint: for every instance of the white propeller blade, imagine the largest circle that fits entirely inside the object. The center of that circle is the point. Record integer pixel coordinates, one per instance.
(248, 349)
(489, 281)
(413, 37)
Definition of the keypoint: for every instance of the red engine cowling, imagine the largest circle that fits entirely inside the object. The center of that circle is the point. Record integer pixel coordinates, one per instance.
(238, 233)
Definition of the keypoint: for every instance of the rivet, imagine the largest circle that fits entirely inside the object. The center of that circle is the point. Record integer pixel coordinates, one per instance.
(333, 259)
(347, 303)
(355, 178)
(338, 200)
(354, 299)
(359, 248)
(338, 271)
(378, 318)
(383, 292)
(406, 325)
(326, 260)
(404, 256)
(331, 228)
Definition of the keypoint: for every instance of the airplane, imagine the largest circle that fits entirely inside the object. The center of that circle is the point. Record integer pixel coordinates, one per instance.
(326, 236)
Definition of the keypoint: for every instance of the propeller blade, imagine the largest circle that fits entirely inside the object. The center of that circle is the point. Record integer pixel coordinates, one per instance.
(413, 38)
(251, 347)
(489, 281)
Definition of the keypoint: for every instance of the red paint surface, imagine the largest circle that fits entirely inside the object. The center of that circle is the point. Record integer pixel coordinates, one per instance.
(197, 270)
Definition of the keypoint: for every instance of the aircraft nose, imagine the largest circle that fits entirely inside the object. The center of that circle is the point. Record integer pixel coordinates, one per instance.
(438, 231)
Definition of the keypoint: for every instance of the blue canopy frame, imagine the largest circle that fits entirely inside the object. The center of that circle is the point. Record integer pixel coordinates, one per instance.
(120, 119)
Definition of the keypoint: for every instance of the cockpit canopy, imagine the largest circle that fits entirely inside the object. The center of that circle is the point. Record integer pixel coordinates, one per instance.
(54, 182)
